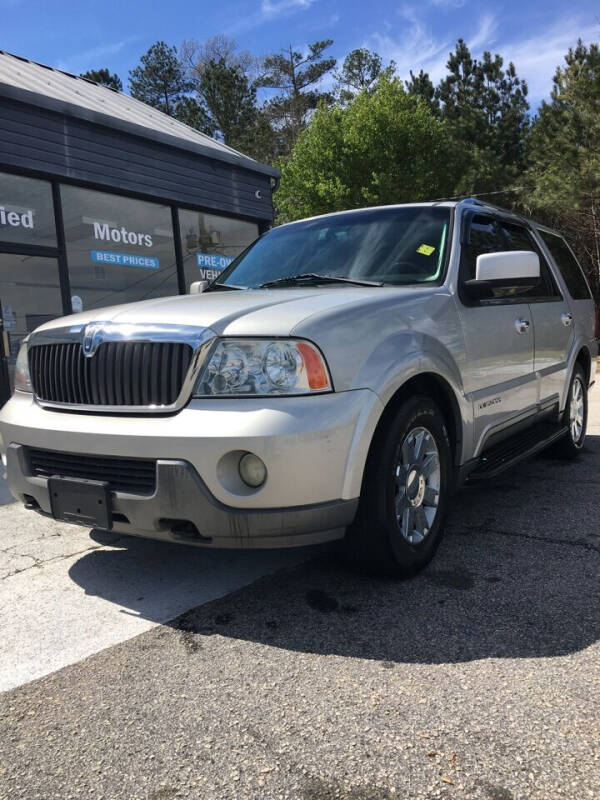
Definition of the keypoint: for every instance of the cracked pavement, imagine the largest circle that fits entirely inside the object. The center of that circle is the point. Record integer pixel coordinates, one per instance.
(477, 679)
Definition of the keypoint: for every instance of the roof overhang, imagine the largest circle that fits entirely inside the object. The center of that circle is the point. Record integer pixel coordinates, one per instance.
(98, 118)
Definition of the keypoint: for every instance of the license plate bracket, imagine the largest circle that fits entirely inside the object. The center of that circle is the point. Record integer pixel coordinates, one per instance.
(80, 501)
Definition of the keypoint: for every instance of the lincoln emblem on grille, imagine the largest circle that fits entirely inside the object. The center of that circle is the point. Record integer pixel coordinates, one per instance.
(92, 338)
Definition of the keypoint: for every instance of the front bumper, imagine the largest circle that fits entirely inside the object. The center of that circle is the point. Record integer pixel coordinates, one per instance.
(181, 496)
(314, 448)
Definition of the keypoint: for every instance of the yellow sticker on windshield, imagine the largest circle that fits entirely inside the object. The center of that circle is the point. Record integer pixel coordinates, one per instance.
(425, 249)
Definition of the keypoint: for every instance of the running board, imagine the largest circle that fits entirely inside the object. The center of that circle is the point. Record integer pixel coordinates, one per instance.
(522, 445)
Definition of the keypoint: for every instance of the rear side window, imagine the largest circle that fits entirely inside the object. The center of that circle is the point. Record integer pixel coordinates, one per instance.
(567, 264)
(491, 235)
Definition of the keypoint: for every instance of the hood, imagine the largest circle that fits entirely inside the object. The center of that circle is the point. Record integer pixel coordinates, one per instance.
(267, 312)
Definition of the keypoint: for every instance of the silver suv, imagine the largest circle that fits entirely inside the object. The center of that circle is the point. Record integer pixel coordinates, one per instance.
(338, 380)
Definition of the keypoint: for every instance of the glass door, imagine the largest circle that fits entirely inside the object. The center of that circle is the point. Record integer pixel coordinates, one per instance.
(29, 296)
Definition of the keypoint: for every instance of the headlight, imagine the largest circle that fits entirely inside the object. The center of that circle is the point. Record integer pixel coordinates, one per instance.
(22, 376)
(262, 367)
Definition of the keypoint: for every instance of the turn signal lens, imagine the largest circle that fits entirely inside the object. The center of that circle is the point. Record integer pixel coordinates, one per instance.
(318, 379)
(255, 367)
(22, 376)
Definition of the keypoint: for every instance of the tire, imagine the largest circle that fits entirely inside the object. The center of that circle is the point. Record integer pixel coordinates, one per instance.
(399, 526)
(575, 417)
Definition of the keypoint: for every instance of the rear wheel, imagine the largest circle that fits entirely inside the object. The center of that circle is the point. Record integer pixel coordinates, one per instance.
(405, 492)
(575, 417)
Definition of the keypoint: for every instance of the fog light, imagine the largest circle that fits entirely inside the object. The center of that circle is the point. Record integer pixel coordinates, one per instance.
(252, 470)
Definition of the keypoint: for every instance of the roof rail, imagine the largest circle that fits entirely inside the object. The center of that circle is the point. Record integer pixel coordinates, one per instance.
(474, 201)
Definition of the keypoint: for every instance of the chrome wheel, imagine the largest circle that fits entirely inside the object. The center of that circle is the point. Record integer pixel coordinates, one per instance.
(576, 410)
(417, 478)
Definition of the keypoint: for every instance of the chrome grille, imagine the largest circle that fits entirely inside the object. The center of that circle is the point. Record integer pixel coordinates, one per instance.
(121, 373)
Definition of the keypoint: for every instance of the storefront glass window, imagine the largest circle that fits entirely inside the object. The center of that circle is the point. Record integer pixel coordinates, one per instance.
(29, 296)
(209, 243)
(26, 211)
(119, 250)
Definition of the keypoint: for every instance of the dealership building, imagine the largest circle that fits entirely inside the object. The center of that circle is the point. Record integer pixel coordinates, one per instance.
(105, 200)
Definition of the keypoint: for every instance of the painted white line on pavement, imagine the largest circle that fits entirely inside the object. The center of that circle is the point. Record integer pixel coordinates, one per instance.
(60, 611)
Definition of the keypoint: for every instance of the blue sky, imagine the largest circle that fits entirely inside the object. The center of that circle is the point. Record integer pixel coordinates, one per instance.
(76, 35)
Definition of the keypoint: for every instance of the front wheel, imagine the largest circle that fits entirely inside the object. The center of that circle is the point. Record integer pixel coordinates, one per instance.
(575, 417)
(407, 483)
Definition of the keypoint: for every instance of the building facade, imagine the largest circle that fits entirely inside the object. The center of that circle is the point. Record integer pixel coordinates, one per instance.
(104, 200)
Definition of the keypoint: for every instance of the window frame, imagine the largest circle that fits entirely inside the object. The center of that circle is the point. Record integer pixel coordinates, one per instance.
(504, 219)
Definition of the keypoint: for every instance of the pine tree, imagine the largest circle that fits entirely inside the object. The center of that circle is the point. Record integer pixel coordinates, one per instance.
(228, 97)
(296, 77)
(160, 79)
(104, 77)
(360, 72)
(485, 107)
(563, 180)
(189, 111)
(421, 86)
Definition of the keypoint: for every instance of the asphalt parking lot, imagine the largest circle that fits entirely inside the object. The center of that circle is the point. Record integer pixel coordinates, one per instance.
(133, 670)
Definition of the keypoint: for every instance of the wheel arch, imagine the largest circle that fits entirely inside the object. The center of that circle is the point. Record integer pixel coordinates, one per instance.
(437, 388)
(584, 357)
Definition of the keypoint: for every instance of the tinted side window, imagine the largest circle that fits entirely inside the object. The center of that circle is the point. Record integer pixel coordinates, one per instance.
(568, 266)
(483, 236)
(489, 235)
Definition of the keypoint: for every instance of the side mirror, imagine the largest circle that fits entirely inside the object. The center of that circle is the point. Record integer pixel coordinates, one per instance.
(507, 266)
(507, 270)
(197, 287)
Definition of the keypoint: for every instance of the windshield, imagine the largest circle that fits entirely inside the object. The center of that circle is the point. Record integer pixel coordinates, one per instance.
(397, 246)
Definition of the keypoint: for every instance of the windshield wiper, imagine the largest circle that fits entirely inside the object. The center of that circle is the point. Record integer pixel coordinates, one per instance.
(312, 279)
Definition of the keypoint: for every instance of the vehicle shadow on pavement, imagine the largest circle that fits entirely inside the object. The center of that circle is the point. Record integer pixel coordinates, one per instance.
(516, 576)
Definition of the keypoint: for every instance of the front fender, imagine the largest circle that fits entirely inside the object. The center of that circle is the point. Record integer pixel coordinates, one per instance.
(387, 372)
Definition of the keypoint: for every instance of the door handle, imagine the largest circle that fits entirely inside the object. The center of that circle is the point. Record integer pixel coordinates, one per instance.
(522, 325)
(566, 319)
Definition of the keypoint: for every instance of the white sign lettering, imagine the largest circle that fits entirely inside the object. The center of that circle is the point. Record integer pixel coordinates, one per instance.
(104, 232)
(16, 219)
(209, 274)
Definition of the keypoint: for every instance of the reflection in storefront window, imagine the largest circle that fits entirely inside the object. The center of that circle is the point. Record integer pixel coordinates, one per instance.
(26, 211)
(29, 296)
(210, 242)
(119, 250)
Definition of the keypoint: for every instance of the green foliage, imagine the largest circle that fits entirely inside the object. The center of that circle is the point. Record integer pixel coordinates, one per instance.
(486, 107)
(104, 77)
(259, 140)
(360, 72)
(384, 147)
(228, 97)
(189, 111)
(422, 86)
(563, 179)
(160, 79)
(296, 77)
